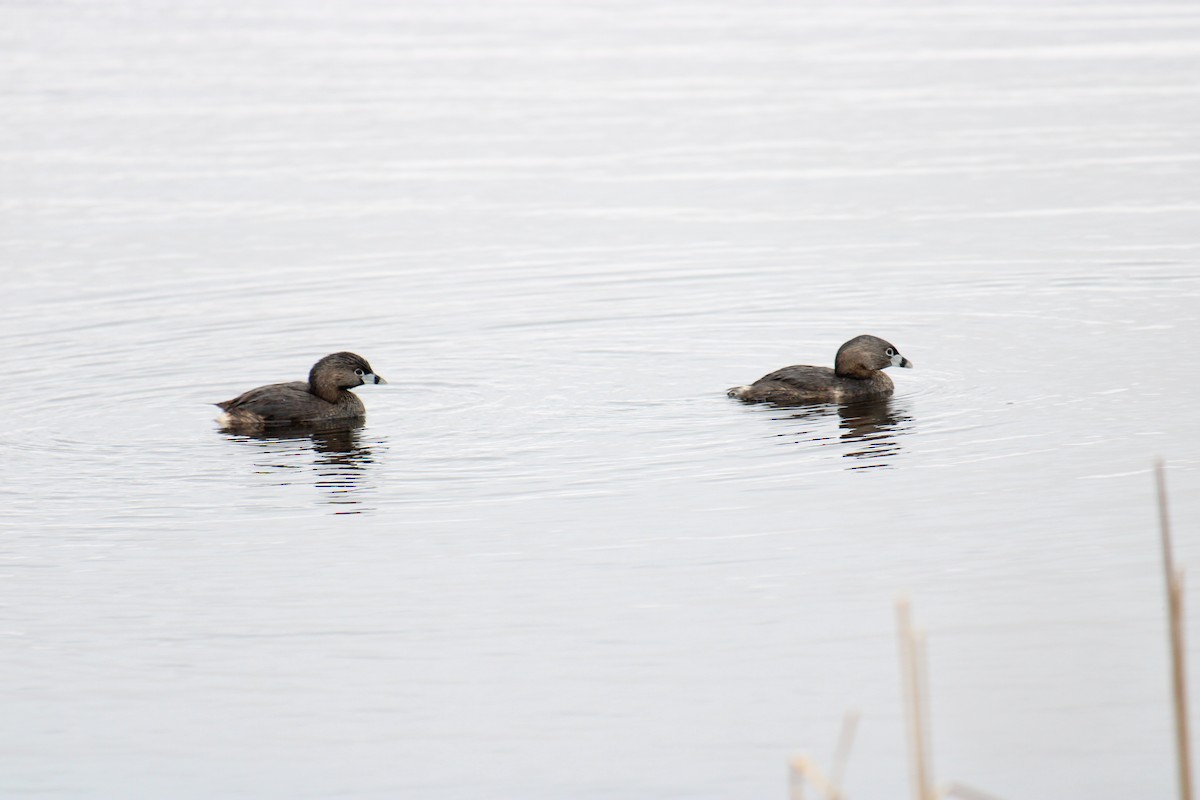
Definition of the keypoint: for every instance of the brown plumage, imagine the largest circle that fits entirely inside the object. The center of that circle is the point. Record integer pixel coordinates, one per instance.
(856, 376)
(325, 397)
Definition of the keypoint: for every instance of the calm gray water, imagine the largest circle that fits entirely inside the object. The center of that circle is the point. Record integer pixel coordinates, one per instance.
(557, 561)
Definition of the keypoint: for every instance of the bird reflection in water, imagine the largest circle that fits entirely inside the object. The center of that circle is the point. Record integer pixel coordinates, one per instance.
(339, 458)
(872, 429)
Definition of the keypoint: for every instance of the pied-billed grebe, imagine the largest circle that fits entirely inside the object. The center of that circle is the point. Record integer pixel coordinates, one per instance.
(855, 376)
(324, 398)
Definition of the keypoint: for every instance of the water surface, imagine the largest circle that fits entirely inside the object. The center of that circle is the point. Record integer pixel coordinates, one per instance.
(556, 560)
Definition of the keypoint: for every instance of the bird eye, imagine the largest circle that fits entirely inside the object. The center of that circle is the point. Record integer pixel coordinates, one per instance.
(891, 352)
(360, 373)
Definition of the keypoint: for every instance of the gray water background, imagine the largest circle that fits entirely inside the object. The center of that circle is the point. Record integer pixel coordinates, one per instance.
(557, 561)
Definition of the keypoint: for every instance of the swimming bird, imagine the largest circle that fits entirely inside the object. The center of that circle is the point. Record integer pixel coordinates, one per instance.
(856, 375)
(324, 397)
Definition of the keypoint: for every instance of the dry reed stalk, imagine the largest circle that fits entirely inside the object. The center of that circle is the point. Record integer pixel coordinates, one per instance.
(1175, 616)
(841, 753)
(802, 769)
(912, 668)
(914, 677)
(964, 792)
